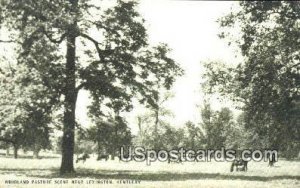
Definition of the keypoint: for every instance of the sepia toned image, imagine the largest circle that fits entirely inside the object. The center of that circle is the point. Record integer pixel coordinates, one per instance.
(149, 93)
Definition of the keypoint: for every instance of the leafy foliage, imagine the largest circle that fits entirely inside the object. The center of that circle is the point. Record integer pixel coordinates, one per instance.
(193, 136)
(25, 115)
(267, 82)
(217, 127)
(110, 135)
(154, 126)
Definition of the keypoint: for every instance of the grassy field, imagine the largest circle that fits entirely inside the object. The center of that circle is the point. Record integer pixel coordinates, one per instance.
(94, 173)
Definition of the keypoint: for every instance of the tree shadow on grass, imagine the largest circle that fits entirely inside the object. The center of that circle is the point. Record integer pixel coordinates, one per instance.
(137, 175)
(11, 156)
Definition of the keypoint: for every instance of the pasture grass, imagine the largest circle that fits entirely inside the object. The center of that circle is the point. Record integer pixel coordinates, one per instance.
(158, 174)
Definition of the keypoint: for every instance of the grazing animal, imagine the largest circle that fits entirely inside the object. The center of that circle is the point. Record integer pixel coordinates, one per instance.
(103, 156)
(271, 161)
(82, 158)
(240, 165)
(173, 159)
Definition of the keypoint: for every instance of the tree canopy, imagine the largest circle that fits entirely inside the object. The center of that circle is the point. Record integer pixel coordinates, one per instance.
(267, 81)
(25, 112)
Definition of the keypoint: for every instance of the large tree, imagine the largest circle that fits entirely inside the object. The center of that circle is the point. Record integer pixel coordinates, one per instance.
(110, 135)
(155, 120)
(267, 82)
(106, 53)
(193, 136)
(215, 126)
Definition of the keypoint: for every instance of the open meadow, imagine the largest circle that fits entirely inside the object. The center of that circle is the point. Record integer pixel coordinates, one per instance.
(27, 172)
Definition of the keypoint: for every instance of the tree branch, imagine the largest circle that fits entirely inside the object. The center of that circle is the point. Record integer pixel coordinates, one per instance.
(296, 65)
(96, 43)
(57, 41)
(80, 86)
(100, 25)
(29, 41)
(7, 41)
(7, 140)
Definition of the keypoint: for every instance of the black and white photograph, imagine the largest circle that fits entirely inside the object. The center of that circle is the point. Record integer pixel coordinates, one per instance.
(149, 93)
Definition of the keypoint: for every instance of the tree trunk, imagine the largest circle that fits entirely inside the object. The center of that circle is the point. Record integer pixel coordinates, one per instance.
(7, 145)
(156, 136)
(193, 142)
(16, 151)
(156, 122)
(36, 151)
(69, 105)
(113, 153)
(7, 151)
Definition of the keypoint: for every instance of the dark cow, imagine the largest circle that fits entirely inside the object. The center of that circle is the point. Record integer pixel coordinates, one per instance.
(174, 159)
(271, 161)
(240, 165)
(103, 156)
(82, 158)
